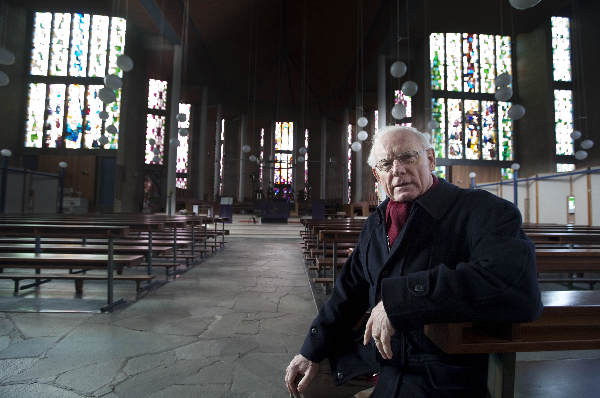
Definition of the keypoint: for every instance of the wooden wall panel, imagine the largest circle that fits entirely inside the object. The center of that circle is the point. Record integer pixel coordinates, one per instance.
(79, 175)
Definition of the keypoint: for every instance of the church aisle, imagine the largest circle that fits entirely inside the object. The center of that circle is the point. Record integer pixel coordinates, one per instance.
(226, 328)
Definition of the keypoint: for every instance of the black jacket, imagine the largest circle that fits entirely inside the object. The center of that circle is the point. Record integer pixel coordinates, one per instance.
(461, 256)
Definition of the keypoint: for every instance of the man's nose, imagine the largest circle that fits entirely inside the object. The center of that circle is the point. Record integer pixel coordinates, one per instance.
(398, 167)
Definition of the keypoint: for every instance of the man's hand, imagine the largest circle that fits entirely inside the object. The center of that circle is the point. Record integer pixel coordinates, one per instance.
(380, 328)
(300, 366)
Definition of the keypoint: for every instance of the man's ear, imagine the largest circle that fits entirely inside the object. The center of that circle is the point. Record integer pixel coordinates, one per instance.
(431, 159)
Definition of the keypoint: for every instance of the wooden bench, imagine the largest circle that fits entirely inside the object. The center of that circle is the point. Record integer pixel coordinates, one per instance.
(77, 278)
(570, 321)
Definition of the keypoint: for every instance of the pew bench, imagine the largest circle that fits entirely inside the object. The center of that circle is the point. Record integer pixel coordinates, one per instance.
(77, 278)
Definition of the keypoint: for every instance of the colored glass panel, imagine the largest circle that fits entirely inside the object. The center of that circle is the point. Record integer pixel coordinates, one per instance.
(155, 130)
(183, 148)
(349, 141)
(472, 121)
(79, 45)
(470, 62)
(487, 63)
(98, 46)
(507, 173)
(489, 130)
(438, 114)
(221, 157)
(455, 129)
(437, 60)
(157, 94)
(93, 123)
(564, 167)
(376, 121)
(75, 109)
(118, 27)
(284, 146)
(114, 117)
(505, 133)
(41, 43)
(563, 121)
(399, 97)
(306, 161)
(454, 62)
(503, 55)
(36, 104)
(55, 115)
(440, 171)
(262, 157)
(181, 182)
(561, 48)
(60, 44)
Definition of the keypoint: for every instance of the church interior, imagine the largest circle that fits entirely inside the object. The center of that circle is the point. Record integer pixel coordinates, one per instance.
(215, 153)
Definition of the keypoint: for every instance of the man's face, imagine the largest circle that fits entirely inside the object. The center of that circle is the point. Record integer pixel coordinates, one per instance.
(407, 177)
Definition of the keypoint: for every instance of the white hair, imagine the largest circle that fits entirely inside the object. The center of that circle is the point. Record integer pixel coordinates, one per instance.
(423, 138)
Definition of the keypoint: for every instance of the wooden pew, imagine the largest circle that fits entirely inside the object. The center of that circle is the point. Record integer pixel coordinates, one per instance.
(570, 321)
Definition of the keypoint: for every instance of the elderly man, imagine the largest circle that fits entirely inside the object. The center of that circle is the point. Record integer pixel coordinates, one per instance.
(432, 252)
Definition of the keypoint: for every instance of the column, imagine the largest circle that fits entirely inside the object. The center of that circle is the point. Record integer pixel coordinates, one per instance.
(242, 159)
(381, 99)
(323, 156)
(173, 128)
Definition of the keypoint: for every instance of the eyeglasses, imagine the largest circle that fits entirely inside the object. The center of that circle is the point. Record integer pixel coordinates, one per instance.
(407, 158)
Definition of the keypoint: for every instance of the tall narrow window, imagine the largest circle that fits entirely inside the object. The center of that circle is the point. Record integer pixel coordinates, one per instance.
(563, 89)
(222, 149)
(70, 55)
(469, 123)
(183, 150)
(261, 158)
(306, 188)
(284, 148)
(349, 170)
(400, 98)
(156, 122)
(376, 121)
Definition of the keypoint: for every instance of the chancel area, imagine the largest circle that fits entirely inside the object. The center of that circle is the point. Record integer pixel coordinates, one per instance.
(273, 198)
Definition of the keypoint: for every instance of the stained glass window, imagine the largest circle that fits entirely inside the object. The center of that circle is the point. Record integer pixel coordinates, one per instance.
(93, 123)
(453, 62)
(455, 129)
(183, 148)
(489, 130)
(155, 139)
(376, 121)
(59, 49)
(506, 128)
(487, 64)
(306, 162)
(181, 182)
(261, 157)
(472, 121)
(437, 59)
(405, 100)
(74, 47)
(470, 63)
(222, 157)
(563, 121)
(75, 111)
(284, 147)
(563, 94)
(438, 115)
(55, 115)
(440, 171)
(98, 46)
(117, 45)
(40, 52)
(157, 94)
(469, 125)
(507, 173)
(564, 167)
(349, 141)
(35, 115)
(561, 48)
(79, 45)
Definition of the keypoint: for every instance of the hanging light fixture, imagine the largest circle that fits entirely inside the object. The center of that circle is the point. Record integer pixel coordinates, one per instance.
(576, 134)
(410, 88)
(181, 117)
(523, 4)
(252, 158)
(113, 82)
(356, 146)
(362, 121)
(107, 95)
(503, 79)
(246, 148)
(151, 141)
(4, 79)
(581, 154)
(399, 111)
(362, 135)
(111, 129)
(587, 144)
(184, 132)
(7, 57)
(103, 140)
(103, 115)
(302, 150)
(398, 69)
(516, 112)
(503, 94)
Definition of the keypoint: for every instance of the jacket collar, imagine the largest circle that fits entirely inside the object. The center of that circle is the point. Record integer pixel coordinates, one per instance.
(437, 201)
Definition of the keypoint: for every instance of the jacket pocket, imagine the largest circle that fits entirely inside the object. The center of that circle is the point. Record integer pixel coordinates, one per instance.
(447, 377)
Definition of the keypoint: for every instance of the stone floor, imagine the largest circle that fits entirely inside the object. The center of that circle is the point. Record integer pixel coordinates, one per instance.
(226, 328)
